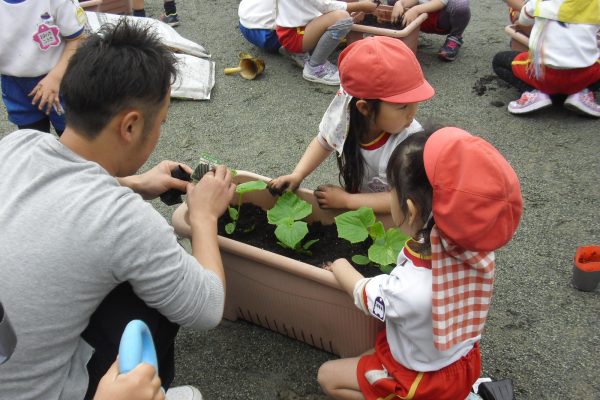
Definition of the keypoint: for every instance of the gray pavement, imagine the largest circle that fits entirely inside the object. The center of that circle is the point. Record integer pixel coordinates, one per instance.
(541, 332)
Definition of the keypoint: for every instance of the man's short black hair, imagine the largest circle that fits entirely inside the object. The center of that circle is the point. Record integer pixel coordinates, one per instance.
(121, 66)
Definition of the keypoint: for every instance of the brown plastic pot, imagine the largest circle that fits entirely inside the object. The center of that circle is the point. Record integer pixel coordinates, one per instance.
(284, 295)
(409, 34)
(586, 268)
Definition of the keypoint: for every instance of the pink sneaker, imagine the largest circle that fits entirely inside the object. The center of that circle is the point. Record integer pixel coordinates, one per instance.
(583, 103)
(529, 102)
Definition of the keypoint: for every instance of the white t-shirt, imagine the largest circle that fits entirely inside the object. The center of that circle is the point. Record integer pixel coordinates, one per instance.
(377, 155)
(294, 13)
(566, 45)
(403, 301)
(20, 55)
(257, 14)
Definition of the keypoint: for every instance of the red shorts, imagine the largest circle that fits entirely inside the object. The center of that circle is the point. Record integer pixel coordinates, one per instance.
(450, 383)
(291, 38)
(430, 25)
(556, 81)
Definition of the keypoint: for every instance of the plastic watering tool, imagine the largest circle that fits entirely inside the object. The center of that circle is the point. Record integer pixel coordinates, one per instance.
(136, 347)
(249, 68)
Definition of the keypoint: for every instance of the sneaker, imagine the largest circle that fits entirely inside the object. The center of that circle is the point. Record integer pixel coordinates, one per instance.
(326, 73)
(583, 103)
(529, 101)
(186, 392)
(449, 51)
(298, 59)
(171, 19)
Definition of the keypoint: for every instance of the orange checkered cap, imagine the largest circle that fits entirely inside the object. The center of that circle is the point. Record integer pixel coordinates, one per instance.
(384, 68)
(477, 201)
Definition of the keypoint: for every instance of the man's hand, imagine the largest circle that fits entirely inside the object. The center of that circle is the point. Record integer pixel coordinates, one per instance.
(141, 383)
(210, 197)
(46, 93)
(158, 180)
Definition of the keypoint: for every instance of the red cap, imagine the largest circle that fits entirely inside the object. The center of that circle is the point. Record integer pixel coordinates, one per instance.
(381, 67)
(477, 200)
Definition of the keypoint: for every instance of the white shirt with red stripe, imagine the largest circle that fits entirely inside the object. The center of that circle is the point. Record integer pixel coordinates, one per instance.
(294, 13)
(403, 300)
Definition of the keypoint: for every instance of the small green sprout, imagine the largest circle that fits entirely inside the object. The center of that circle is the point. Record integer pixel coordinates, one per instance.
(241, 189)
(286, 215)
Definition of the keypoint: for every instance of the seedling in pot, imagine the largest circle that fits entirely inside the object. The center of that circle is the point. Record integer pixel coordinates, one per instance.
(241, 189)
(286, 215)
(358, 225)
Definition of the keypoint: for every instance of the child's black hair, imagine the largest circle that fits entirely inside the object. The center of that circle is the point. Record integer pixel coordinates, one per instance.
(123, 65)
(406, 175)
(351, 163)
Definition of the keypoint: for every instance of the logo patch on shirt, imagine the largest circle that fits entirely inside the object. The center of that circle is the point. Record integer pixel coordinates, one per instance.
(379, 309)
(46, 36)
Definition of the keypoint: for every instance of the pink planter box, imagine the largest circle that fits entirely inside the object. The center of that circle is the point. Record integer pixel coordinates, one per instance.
(288, 296)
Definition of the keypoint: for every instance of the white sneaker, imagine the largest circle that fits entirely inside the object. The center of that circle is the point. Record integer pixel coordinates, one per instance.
(186, 392)
(298, 59)
(529, 102)
(325, 73)
(584, 103)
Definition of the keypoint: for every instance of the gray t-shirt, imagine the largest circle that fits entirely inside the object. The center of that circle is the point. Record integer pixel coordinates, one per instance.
(69, 233)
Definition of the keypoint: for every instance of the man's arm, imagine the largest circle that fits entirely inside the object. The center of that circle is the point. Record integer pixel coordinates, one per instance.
(155, 182)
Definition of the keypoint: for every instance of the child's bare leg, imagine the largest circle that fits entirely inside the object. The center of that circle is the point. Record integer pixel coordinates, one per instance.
(338, 379)
(324, 33)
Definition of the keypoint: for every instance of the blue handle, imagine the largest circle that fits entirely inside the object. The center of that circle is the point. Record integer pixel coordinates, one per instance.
(136, 347)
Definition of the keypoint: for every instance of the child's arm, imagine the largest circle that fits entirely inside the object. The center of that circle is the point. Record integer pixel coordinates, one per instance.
(46, 92)
(516, 4)
(330, 196)
(431, 6)
(346, 275)
(526, 16)
(314, 155)
(367, 6)
(399, 8)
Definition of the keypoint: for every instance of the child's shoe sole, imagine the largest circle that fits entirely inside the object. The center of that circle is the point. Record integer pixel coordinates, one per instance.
(575, 107)
(531, 108)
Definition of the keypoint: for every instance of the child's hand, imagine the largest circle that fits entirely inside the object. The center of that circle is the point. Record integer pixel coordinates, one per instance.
(46, 93)
(141, 383)
(331, 196)
(284, 183)
(410, 15)
(397, 12)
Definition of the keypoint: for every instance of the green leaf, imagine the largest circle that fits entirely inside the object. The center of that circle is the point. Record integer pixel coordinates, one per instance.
(288, 206)
(233, 213)
(309, 243)
(361, 260)
(377, 231)
(386, 269)
(230, 227)
(385, 250)
(291, 234)
(250, 186)
(354, 225)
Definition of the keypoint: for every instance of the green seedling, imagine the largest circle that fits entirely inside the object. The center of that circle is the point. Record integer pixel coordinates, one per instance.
(358, 225)
(241, 189)
(286, 215)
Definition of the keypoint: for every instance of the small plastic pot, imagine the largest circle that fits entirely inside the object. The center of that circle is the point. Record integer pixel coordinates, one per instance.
(586, 268)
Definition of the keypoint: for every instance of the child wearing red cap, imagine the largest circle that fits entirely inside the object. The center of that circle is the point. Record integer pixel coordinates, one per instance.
(444, 17)
(459, 200)
(372, 112)
(317, 26)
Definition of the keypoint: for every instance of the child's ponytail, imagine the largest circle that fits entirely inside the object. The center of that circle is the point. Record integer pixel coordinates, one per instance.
(406, 175)
(351, 163)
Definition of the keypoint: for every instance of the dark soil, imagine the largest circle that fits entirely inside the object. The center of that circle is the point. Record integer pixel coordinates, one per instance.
(253, 229)
(371, 20)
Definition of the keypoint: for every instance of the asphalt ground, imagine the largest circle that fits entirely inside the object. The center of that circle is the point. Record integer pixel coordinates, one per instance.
(541, 332)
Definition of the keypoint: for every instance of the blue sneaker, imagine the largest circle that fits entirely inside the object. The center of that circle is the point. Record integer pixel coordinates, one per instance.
(171, 19)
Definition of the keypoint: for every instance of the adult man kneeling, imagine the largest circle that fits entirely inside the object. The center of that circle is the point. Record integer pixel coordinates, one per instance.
(82, 253)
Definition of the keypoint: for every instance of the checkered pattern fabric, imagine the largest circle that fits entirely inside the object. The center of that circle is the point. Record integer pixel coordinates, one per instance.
(462, 286)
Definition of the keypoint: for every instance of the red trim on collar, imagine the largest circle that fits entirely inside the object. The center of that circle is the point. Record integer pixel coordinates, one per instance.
(377, 143)
(417, 259)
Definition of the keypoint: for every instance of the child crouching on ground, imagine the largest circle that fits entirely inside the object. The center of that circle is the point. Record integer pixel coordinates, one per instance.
(372, 112)
(563, 57)
(459, 200)
(445, 17)
(317, 26)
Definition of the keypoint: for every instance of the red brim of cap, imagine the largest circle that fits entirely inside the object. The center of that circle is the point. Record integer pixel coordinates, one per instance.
(421, 93)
